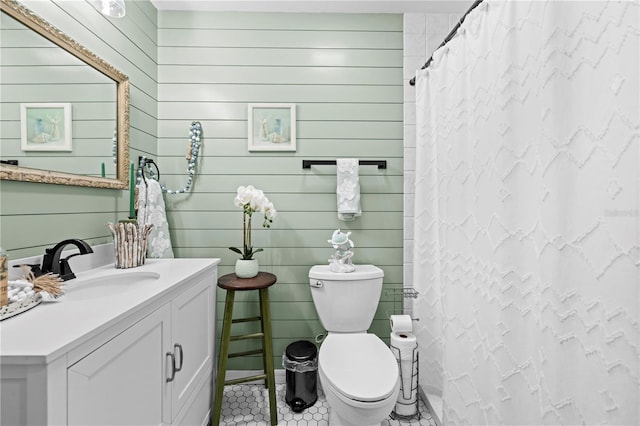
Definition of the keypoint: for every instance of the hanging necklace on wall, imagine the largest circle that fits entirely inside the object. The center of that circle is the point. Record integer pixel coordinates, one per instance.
(195, 132)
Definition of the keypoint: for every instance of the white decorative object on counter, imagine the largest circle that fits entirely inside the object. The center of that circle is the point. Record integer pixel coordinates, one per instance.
(129, 243)
(28, 292)
(20, 306)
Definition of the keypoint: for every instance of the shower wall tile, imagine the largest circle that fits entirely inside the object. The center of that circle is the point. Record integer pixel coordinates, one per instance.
(408, 278)
(409, 92)
(414, 23)
(453, 20)
(408, 251)
(409, 112)
(437, 29)
(408, 231)
(410, 133)
(409, 203)
(415, 43)
(409, 184)
(409, 159)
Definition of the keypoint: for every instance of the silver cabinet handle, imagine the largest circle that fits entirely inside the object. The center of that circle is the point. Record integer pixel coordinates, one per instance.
(178, 346)
(173, 367)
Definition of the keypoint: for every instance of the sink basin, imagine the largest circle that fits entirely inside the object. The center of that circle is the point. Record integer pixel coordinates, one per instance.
(108, 284)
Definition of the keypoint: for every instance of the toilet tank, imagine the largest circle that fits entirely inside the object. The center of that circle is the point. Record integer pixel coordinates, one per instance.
(346, 302)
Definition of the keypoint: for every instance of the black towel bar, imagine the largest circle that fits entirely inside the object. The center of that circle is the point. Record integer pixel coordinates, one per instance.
(306, 164)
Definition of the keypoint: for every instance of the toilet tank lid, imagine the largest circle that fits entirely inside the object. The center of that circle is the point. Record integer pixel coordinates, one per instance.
(362, 272)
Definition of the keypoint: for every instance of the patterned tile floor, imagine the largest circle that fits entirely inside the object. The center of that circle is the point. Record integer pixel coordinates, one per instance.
(247, 405)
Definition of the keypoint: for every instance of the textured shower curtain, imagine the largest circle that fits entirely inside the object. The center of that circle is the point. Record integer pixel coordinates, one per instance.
(526, 251)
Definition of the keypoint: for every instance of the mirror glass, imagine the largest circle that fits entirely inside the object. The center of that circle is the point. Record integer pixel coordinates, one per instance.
(64, 110)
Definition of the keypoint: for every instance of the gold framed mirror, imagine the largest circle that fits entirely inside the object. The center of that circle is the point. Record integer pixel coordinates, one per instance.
(52, 129)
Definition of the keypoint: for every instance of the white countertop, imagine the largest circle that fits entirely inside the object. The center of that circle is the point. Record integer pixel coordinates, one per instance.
(52, 329)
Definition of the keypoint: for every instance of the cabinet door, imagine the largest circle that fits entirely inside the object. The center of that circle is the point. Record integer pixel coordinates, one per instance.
(124, 381)
(193, 328)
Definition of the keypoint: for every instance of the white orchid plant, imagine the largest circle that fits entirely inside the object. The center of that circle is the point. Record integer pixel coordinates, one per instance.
(252, 200)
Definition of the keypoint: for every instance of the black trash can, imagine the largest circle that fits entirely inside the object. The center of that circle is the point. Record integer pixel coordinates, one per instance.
(300, 361)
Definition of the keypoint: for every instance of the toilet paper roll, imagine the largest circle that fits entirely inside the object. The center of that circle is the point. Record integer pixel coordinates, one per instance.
(405, 348)
(404, 343)
(401, 323)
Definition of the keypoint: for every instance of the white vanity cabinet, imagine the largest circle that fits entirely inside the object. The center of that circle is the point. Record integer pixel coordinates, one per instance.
(193, 331)
(150, 365)
(123, 382)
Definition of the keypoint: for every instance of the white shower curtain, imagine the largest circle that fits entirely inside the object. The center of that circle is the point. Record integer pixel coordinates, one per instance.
(526, 245)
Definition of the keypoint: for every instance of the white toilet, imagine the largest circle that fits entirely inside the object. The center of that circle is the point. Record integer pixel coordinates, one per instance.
(357, 370)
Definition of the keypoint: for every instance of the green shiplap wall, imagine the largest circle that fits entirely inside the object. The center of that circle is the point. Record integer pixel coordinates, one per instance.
(344, 72)
(35, 216)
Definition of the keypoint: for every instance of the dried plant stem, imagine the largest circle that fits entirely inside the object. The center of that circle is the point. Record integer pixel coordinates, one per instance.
(50, 283)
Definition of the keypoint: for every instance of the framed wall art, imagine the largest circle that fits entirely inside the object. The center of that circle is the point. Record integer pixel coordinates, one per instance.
(45, 127)
(272, 127)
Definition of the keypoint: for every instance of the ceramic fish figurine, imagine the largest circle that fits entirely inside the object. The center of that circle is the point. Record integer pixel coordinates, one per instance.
(340, 261)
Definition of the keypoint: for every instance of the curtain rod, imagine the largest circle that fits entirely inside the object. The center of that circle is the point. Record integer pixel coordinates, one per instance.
(448, 38)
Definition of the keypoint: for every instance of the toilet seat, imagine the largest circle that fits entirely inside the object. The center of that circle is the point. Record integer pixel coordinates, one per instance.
(361, 367)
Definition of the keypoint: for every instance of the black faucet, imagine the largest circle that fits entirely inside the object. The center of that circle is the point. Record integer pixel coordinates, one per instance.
(51, 261)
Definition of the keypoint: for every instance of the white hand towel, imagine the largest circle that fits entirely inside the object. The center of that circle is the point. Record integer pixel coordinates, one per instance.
(151, 210)
(348, 190)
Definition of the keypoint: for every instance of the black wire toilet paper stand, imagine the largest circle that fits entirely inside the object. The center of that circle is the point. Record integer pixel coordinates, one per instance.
(407, 393)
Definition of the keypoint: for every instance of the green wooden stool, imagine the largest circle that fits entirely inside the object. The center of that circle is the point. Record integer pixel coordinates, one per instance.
(232, 283)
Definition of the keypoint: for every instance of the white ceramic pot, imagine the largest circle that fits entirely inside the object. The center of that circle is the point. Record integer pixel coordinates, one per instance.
(247, 268)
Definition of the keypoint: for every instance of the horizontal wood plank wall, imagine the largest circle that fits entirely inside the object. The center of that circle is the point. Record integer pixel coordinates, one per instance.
(344, 72)
(35, 216)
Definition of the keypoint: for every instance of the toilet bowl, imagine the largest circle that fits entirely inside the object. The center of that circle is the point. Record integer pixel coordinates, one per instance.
(359, 376)
(357, 370)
